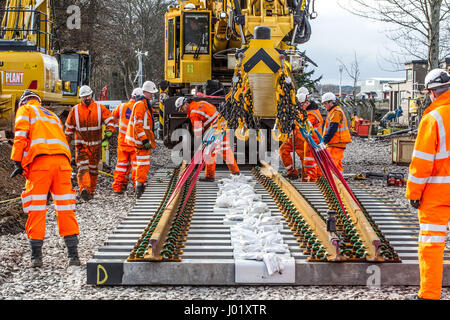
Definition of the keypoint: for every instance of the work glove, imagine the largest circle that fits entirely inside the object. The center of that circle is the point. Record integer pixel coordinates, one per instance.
(146, 144)
(108, 134)
(415, 203)
(17, 169)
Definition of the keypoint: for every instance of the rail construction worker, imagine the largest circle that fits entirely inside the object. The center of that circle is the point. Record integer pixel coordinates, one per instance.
(41, 153)
(203, 116)
(288, 146)
(336, 131)
(428, 186)
(311, 171)
(85, 121)
(126, 155)
(140, 134)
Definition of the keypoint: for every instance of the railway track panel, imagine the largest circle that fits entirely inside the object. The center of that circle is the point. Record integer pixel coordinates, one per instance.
(207, 257)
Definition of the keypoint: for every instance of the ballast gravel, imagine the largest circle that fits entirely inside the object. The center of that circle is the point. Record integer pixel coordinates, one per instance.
(99, 217)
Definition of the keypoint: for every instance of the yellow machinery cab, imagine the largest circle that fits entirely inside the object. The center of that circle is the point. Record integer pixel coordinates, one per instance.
(74, 71)
(187, 46)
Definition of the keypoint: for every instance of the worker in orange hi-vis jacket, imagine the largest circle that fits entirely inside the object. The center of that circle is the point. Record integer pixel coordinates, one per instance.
(336, 131)
(288, 147)
(428, 186)
(311, 171)
(41, 153)
(140, 134)
(85, 122)
(126, 155)
(203, 116)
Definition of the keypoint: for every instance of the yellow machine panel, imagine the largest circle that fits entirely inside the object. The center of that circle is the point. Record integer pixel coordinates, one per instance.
(30, 70)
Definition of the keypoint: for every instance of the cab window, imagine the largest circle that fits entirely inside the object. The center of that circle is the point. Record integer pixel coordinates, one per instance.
(196, 33)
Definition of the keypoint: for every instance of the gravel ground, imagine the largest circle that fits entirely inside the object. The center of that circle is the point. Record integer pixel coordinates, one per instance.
(98, 218)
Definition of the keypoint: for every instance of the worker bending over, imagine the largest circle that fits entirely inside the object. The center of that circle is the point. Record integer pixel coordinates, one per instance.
(203, 116)
(85, 121)
(336, 131)
(41, 153)
(288, 146)
(140, 134)
(126, 155)
(311, 171)
(428, 186)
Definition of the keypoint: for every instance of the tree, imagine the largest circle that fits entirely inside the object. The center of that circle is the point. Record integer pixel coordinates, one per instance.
(112, 31)
(353, 72)
(421, 26)
(305, 79)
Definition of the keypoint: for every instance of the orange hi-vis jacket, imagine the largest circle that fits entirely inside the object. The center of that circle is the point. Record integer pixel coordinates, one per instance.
(202, 115)
(122, 114)
(429, 182)
(429, 171)
(38, 131)
(140, 126)
(342, 136)
(86, 123)
(316, 119)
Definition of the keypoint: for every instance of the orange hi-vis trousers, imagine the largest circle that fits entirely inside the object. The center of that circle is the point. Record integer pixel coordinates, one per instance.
(227, 155)
(311, 171)
(432, 235)
(87, 159)
(126, 162)
(286, 149)
(337, 154)
(142, 165)
(49, 173)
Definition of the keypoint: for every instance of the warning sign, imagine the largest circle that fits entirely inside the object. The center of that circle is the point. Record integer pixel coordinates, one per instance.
(13, 78)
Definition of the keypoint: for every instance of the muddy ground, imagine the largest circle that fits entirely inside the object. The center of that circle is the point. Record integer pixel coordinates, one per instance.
(12, 217)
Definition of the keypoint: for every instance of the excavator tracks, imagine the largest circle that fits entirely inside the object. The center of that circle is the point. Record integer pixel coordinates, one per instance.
(200, 251)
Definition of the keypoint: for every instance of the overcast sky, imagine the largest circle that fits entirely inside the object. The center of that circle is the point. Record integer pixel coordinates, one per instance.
(337, 34)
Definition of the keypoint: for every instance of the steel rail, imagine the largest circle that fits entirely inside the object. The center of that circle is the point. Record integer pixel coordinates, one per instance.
(368, 236)
(316, 223)
(159, 236)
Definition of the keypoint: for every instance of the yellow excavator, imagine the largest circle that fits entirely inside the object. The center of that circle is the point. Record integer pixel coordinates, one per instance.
(28, 60)
(241, 52)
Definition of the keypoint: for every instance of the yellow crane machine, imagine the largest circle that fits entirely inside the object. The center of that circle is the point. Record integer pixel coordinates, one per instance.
(28, 60)
(237, 54)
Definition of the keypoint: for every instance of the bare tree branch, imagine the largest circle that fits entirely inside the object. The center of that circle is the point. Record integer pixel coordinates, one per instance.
(422, 25)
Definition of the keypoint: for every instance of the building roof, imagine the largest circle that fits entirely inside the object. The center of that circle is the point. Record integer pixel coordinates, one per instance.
(385, 79)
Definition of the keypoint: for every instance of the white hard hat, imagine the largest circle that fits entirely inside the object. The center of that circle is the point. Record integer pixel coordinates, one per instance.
(437, 78)
(180, 102)
(27, 95)
(136, 92)
(329, 96)
(149, 86)
(301, 97)
(302, 90)
(85, 91)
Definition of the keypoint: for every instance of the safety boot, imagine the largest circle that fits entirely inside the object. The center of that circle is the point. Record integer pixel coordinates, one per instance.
(206, 179)
(85, 195)
(36, 253)
(72, 250)
(140, 187)
(291, 176)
